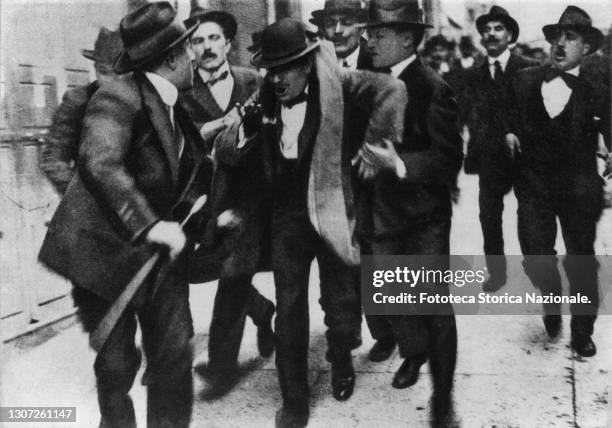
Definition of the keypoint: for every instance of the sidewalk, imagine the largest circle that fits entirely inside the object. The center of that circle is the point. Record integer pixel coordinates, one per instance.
(509, 373)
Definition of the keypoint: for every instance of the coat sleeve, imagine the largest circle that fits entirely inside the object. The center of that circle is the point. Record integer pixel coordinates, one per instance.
(441, 161)
(61, 146)
(383, 97)
(106, 141)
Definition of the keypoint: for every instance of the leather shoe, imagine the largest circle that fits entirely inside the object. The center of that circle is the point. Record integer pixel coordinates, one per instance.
(494, 283)
(381, 351)
(584, 345)
(408, 373)
(290, 419)
(265, 334)
(343, 379)
(552, 323)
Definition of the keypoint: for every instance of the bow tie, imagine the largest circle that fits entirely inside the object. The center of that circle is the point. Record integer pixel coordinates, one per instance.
(553, 73)
(214, 80)
(302, 98)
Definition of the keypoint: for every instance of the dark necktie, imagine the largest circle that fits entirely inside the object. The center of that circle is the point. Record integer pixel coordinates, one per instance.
(553, 73)
(297, 100)
(498, 72)
(222, 76)
(384, 70)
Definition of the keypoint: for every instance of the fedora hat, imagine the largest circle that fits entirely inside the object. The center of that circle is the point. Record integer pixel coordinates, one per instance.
(225, 20)
(147, 33)
(283, 42)
(392, 12)
(348, 7)
(574, 18)
(106, 48)
(500, 14)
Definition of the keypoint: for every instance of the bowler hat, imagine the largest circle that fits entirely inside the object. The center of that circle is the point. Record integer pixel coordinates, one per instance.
(147, 33)
(283, 42)
(348, 7)
(106, 48)
(574, 18)
(392, 12)
(225, 20)
(500, 14)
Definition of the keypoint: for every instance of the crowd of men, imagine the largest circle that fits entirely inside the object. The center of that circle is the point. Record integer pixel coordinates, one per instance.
(349, 146)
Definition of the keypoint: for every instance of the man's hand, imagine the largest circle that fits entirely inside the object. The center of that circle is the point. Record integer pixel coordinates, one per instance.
(168, 234)
(211, 129)
(512, 145)
(251, 114)
(385, 157)
(228, 219)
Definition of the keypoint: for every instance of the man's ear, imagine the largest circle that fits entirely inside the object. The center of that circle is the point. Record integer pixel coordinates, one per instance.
(586, 48)
(171, 60)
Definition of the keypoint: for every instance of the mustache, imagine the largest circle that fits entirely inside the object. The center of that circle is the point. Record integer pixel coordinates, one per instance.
(208, 54)
(491, 39)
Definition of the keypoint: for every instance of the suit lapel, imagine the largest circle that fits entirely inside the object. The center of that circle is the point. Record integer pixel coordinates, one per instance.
(205, 97)
(160, 119)
(582, 100)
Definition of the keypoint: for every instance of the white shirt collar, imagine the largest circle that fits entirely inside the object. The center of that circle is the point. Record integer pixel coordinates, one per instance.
(574, 71)
(351, 60)
(206, 76)
(397, 69)
(166, 90)
(503, 59)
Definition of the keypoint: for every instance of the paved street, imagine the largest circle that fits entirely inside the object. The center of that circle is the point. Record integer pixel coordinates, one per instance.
(509, 373)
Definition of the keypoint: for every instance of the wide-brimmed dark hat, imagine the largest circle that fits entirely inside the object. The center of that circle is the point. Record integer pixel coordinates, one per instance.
(574, 18)
(283, 42)
(396, 12)
(224, 19)
(348, 7)
(107, 47)
(500, 14)
(147, 33)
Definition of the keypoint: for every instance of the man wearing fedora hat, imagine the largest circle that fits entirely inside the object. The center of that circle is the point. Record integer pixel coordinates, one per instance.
(422, 169)
(138, 161)
(211, 103)
(59, 154)
(342, 22)
(556, 117)
(485, 155)
(297, 150)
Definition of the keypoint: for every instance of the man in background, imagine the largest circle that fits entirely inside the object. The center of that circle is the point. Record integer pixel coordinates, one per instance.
(211, 104)
(485, 155)
(557, 114)
(411, 196)
(60, 151)
(342, 22)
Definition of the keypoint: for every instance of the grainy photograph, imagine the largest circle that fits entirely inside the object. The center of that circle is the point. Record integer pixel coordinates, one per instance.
(291, 213)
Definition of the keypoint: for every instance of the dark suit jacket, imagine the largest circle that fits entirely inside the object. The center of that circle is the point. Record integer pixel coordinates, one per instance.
(201, 105)
(129, 177)
(59, 154)
(432, 152)
(570, 166)
(485, 106)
